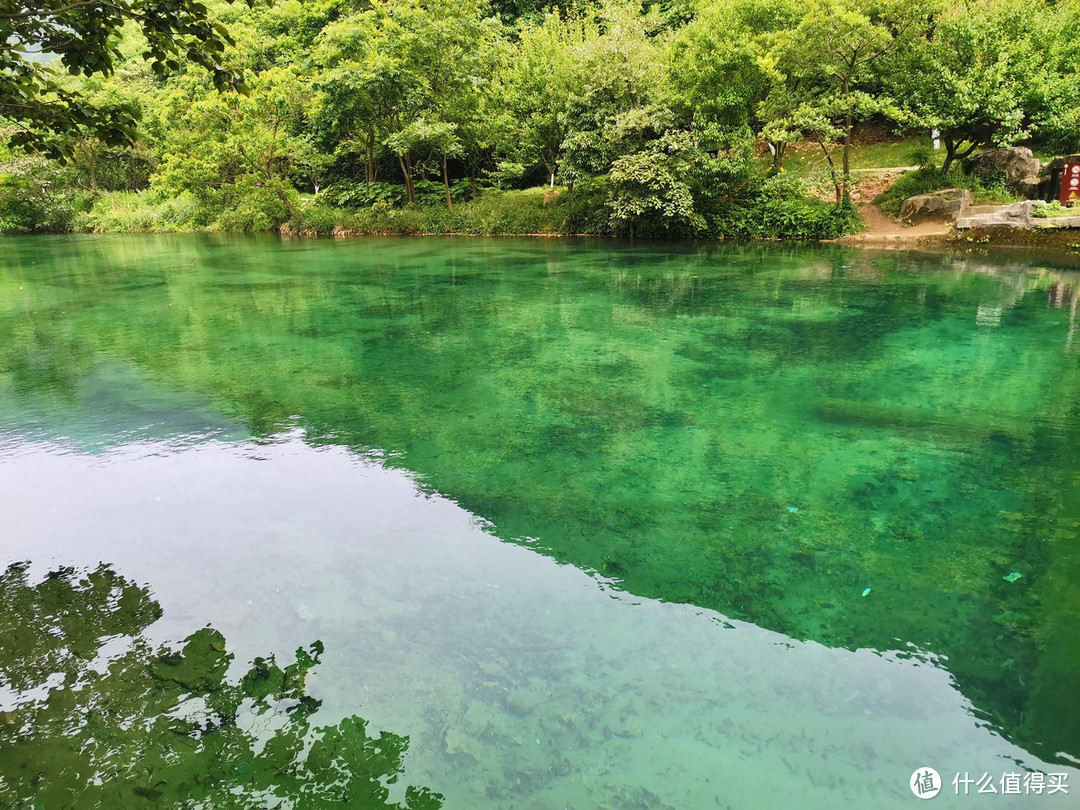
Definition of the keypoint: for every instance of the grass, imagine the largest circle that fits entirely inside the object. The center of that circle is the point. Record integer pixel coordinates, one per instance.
(1056, 209)
(145, 212)
(808, 160)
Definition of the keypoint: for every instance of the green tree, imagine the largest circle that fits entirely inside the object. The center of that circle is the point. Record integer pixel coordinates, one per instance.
(823, 81)
(718, 78)
(407, 75)
(974, 74)
(83, 36)
(655, 186)
(619, 108)
(536, 92)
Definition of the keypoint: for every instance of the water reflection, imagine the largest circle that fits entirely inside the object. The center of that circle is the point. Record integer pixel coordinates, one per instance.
(96, 715)
(520, 683)
(763, 432)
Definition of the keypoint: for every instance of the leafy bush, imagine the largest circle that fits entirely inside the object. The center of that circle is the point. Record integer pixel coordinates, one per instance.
(148, 211)
(531, 211)
(929, 179)
(583, 210)
(252, 206)
(780, 208)
(347, 194)
(38, 196)
(1054, 209)
(652, 191)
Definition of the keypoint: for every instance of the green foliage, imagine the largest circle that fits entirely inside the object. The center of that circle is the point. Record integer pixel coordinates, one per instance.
(350, 194)
(929, 179)
(975, 74)
(84, 36)
(780, 208)
(1052, 210)
(376, 106)
(253, 206)
(38, 196)
(525, 212)
(131, 212)
(652, 190)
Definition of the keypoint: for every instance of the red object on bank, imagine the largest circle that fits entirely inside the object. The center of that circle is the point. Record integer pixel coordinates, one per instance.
(1070, 184)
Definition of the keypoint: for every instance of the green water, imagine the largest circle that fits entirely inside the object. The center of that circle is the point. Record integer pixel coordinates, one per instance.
(576, 524)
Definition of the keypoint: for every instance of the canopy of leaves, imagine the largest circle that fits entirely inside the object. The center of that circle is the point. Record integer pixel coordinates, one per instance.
(81, 37)
(397, 102)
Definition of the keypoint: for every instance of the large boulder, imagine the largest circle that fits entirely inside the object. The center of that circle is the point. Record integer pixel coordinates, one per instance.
(1015, 163)
(941, 206)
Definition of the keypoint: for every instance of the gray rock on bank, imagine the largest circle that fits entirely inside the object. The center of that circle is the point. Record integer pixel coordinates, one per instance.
(940, 206)
(1014, 163)
(1017, 215)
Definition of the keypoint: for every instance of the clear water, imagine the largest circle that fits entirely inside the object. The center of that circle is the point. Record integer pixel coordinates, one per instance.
(574, 524)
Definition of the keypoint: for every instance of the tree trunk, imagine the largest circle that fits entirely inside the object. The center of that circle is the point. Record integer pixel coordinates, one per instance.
(288, 203)
(952, 152)
(408, 179)
(848, 124)
(370, 157)
(446, 184)
(832, 172)
(778, 150)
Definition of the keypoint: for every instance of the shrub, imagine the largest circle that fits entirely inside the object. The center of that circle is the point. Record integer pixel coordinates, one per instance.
(780, 208)
(38, 196)
(143, 212)
(929, 179)
(583, 210)
(349, 194)
(252, 206)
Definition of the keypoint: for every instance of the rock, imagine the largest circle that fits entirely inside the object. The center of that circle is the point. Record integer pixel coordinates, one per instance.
(1014, 163)
(1029, 188)
(1059, 222)
(941, 206)
(461, 747)
(1016, 215)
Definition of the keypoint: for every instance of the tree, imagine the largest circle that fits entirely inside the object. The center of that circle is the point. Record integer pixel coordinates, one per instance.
(718, 78)
(619, 108)
(535, 92)
(83, 37)
(974, 74)
(407, 74)
(819, 71)
(656, 185)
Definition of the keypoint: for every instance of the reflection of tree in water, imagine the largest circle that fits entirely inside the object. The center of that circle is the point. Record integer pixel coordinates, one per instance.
(96, 716)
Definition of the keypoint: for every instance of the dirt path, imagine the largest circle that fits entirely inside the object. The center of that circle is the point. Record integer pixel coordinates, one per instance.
(882, 229)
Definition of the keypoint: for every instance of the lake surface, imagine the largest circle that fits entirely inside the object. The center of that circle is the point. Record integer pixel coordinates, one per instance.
(534, 524)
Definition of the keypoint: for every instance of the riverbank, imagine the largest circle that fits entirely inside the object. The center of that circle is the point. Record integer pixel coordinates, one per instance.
(770, 208)
(882, 231)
